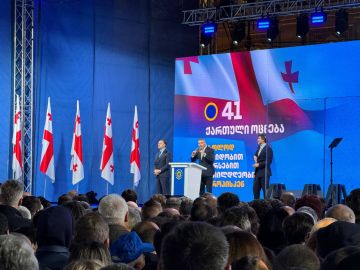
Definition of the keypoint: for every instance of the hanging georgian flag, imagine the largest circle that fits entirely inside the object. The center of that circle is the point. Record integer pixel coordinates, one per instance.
(16, 141)
(47, 152)
(107, 158)
(77, 162)
(135, 150)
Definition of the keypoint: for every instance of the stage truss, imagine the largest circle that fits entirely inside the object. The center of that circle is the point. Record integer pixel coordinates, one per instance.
(23, 80)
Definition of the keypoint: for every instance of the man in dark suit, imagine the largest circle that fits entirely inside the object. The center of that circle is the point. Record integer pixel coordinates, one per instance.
(263, 158)
(206, 158)
(162, 168)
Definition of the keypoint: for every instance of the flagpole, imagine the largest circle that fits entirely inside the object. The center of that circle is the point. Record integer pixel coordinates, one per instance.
(44, 186)
(77, 189)
(107, 188)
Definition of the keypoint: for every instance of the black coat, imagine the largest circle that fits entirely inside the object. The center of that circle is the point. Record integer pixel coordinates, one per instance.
(264, 159)
(15, 219)
(207, 161)
(162, 163)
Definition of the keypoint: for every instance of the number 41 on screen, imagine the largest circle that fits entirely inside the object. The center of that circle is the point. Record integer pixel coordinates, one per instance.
(230, 113)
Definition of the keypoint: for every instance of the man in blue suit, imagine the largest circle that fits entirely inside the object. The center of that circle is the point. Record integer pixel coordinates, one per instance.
(162, 168)
(206, 157)
(263, 158)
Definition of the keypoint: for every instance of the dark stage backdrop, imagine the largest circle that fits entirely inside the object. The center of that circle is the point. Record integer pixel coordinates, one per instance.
(100, 51)
(5, 88)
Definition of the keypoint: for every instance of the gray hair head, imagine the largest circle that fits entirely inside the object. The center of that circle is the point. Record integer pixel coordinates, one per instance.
(11, 192)
(113, 208)
(25, 213)
(16, 253)
(134, 217)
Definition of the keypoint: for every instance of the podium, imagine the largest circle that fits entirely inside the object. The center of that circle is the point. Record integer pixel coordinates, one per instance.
(185, 179)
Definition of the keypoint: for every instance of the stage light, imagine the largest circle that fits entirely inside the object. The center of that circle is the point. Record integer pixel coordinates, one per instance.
(205, 40)
(273, 30)
(302, 25)
(318, 18)
(263, 24)
(238, 34)
(341, 22)
(209, 29)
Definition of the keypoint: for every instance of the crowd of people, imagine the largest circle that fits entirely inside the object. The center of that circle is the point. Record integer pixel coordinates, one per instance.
(174, 233)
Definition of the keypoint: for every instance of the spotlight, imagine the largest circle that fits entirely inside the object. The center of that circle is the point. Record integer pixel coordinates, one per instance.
(273, 30)
(263, 24)
(302, 25)
(205, 40)
(341, 21)
(318, 18)
(238, 33)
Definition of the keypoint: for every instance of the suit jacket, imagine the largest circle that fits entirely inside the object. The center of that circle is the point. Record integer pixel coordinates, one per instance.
(264, 159)
(207, 161)
(162, 163)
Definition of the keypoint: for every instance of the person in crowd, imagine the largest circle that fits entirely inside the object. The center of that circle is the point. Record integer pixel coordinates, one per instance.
(44, 202)
(115, 211)
(244, 244)
(271, 234)
(173, 202)
(206, 157)
(309, 211)
(150, 209)
(162, 168)
(185, 207)
(160, 198)
(297, 228)
(332, 261)
(134, 217)
(263, 158)
(297, 257)
(76, 208)
(64, 199)
(129, 249)
(261, 207)
(341, 212)
(32, 203)
(90, 251)
(336, 235)
(16, 253)
(201, 211)
(54, 227)
(249, 263)
(129, 195)
(194, 245)
(146, 231)
(92, 227)
(237, 216)
(211, 200)
(288, 198)
(253, 218)
(11, 197)
(227, 200)
(313, 202)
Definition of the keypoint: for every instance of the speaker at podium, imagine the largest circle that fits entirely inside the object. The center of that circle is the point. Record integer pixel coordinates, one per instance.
(186, 179)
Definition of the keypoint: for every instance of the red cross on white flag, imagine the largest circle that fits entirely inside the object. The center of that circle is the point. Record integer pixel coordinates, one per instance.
(77, 162)
(107, 157)
(135, 150)
(47, 152)
(17, 166)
